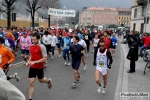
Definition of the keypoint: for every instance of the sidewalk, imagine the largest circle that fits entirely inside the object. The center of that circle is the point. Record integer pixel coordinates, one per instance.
(133, 82)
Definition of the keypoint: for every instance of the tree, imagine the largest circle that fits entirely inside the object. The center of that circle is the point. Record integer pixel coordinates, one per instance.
(112, 26)
(7, 7)
(51, 4)
(32, 6)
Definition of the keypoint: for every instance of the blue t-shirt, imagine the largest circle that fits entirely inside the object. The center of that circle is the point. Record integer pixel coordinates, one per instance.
(114, 40)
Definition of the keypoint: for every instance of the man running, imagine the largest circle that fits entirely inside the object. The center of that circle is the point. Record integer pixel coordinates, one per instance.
(65, 44)
(6, 58)
(76, 53)
(59, 37)
(25, 42)
(101, 63)
(36, 62)
(87, 39)
(53, 43)
(114, 44)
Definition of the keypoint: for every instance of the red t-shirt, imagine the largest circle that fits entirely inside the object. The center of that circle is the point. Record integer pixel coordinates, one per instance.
(37, 53)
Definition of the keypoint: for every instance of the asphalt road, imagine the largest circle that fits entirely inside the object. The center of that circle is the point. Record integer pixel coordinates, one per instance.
(62, 77)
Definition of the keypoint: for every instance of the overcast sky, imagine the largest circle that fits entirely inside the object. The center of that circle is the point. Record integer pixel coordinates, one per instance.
(79, 4)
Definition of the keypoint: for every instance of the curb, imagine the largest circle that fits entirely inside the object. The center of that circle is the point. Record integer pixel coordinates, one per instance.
(122, 82)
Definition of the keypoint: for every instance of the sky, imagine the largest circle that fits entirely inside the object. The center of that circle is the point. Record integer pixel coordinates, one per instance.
(79, 4)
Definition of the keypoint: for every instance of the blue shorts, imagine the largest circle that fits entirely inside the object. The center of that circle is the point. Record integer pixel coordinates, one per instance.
(25, 52)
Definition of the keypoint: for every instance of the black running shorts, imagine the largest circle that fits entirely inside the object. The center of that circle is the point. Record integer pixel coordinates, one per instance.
(33, 72)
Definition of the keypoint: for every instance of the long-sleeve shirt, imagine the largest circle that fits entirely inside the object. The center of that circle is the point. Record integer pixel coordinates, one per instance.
(9, 91)
(65, 43)
(11, 36)
(25, 43)
(54, 41)
(5, 56)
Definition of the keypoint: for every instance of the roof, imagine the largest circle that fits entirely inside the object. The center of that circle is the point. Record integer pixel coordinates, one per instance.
(124, 9)
(101, 8)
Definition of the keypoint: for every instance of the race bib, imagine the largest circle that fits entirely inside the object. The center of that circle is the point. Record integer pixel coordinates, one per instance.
(66, 45)
(24, 42)
(113, 43)
(46, 41)
(101, 63)
(0, 58)
(86, 37)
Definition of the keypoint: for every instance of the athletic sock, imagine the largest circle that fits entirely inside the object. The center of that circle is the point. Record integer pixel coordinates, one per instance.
(30, 99)
(104, 87)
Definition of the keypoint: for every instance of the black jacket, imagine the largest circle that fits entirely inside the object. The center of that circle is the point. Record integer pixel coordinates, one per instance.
(133, 51)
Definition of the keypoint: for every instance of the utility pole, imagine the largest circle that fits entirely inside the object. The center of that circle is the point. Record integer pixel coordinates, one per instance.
(146, 15)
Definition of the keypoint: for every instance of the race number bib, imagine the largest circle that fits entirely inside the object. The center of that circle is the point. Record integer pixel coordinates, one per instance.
(113, 43)
(46, 41)
(66, 45)
(101, 63)
(86, 37)
(24, 42)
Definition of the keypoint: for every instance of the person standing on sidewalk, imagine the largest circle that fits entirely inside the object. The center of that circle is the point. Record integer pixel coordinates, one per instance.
(38, 57)
(133, 54)
(76, 53)
(101, 63)
(25, 42)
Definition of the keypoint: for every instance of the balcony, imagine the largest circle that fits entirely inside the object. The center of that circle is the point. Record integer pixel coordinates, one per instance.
(141, 2)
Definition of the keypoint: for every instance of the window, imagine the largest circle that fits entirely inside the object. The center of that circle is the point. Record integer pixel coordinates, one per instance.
(143, 10)
(124, 17)
(134, 26)
(119, 17)
(135, 13)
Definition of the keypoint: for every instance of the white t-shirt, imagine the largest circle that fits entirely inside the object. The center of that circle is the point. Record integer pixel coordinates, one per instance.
(82, 42)
(54, 41)
(47, 39)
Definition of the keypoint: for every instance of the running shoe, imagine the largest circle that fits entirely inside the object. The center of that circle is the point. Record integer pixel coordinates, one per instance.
(65, 63)
(84, 68)
(59, 55)
(49, 83)
(16, 77)
(74, 85)
(52, 57)
(99, 89)
(68, 63)
(104, 90)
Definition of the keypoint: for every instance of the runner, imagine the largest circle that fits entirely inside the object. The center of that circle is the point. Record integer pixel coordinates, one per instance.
(6, 58)
(82, 42)
(76, 53)
(107, 40)
(46, 39)
(59, 37)
(87, 39)
(65, 44)
(53, 43)
(36, 61)
(114, 44)
(95, 42)
(25, 42)
(101, 63)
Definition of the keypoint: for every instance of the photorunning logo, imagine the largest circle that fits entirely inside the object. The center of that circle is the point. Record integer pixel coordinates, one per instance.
(134, 95)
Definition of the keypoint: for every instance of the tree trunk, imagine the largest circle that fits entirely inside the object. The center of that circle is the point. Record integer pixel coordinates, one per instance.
(33, 21)
(49, 20)
(9, 18)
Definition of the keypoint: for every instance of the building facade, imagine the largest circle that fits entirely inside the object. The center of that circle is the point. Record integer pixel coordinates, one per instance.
(98, 16)
(139, 12)
(124, 16)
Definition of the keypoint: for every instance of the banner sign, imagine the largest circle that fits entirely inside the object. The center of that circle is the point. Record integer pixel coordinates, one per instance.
(63, 13)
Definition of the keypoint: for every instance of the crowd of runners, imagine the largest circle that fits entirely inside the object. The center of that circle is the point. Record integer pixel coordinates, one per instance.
(37, 46)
